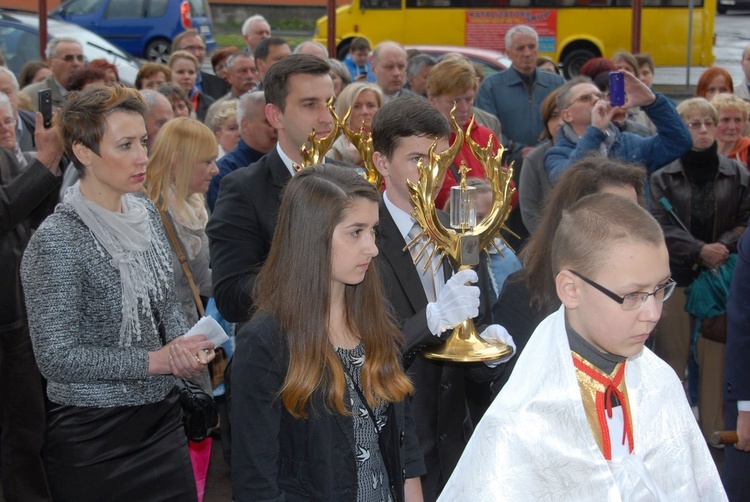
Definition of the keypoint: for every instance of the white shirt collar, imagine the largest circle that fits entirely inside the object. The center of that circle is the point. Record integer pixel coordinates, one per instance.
(288, 162)
(285, 159)
(403, 220)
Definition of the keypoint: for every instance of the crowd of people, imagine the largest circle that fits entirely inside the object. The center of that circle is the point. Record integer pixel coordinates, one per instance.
(139, 205)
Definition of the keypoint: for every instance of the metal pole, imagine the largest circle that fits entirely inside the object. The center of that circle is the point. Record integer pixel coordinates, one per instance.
(42, 29)
(635, 29)
(689, 42)
(331, 13)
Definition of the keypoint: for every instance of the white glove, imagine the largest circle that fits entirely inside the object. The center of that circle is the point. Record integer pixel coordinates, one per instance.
(456, 302)
(495, 333)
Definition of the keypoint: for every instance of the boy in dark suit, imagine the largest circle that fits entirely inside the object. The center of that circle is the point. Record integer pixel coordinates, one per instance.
(427, 304)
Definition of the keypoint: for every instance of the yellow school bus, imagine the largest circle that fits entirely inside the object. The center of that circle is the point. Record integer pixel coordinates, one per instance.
(570, 31)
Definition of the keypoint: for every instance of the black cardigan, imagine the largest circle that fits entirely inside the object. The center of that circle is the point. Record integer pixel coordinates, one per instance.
(278, 457)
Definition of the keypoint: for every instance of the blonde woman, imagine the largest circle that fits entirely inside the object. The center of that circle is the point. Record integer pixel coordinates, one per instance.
(732, 119)
(181, 166)
(365, 100)
(185, 68)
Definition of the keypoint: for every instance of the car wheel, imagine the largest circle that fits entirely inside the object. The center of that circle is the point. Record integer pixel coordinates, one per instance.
(721, 9)
(158, 50)
(575, 59)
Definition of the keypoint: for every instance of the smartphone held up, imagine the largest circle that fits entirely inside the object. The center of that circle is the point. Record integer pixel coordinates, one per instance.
(45, 107)
(616, 88)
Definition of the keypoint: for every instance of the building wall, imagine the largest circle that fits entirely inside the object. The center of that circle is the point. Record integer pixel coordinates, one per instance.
(28, 4)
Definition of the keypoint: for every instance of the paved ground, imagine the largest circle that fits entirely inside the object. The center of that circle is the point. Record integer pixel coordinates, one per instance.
(218, 484)
(732, 35)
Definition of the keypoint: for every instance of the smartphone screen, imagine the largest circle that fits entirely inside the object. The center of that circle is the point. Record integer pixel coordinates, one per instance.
(45, 107)
(616, 89)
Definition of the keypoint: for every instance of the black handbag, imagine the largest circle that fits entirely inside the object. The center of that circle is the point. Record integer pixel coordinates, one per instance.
(199, 411)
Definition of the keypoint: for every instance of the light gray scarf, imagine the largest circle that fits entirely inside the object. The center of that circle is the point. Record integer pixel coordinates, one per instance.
(606, 145)
(127, 236)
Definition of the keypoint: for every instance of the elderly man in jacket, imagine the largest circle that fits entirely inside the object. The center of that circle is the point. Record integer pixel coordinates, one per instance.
(587, 127)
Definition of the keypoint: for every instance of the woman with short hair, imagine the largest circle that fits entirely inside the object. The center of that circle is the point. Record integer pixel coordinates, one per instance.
(731, 122)
(104, 317)
(364, 100)
(152, 76)
(710, 197)
(223, 123)
(454, 80)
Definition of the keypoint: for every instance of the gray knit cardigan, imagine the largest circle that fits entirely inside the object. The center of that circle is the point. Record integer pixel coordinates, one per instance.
(74, 304)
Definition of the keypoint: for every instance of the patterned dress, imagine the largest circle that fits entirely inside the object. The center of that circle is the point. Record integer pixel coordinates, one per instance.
(372, 476)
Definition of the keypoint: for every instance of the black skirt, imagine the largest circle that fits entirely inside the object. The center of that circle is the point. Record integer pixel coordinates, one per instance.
(120, 453)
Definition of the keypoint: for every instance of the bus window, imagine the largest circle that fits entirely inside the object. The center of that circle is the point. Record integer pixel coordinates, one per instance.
(380, 4)
(570, 31)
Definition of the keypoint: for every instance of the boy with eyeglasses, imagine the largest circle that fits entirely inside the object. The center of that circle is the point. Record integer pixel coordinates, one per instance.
(589, 413)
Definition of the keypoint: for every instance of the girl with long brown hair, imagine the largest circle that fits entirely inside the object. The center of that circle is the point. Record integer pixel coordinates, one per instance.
(319, 398)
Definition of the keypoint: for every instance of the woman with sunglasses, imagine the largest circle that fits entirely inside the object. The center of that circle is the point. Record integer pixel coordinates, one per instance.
(710, 197)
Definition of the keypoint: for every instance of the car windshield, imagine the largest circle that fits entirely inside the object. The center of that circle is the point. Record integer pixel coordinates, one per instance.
(57, 29)
(19, 40)
(198, 8)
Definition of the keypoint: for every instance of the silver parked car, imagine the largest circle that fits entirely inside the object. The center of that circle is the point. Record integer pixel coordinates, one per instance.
(19, 41)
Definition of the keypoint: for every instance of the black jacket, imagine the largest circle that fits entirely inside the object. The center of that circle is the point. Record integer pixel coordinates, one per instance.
(732, 193)
(204, 103)
(213, 86)
(27, 196)
(241, 228)
(439, 402)
(26, 141)
(278, 457)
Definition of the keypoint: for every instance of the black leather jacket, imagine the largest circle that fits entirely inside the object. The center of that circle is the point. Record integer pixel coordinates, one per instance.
(27, 196)
(732, 193)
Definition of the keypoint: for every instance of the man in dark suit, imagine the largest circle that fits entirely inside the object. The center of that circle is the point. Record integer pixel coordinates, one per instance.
(427, 310)
(297, 89)
(737, 375)
(194, 43)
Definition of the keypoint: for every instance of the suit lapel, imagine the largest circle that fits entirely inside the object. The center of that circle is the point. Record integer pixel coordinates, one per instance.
(391, 245)
(280, 175)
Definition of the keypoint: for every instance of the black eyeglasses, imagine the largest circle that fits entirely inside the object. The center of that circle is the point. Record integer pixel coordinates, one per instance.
(633, 301)
(68, 58)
